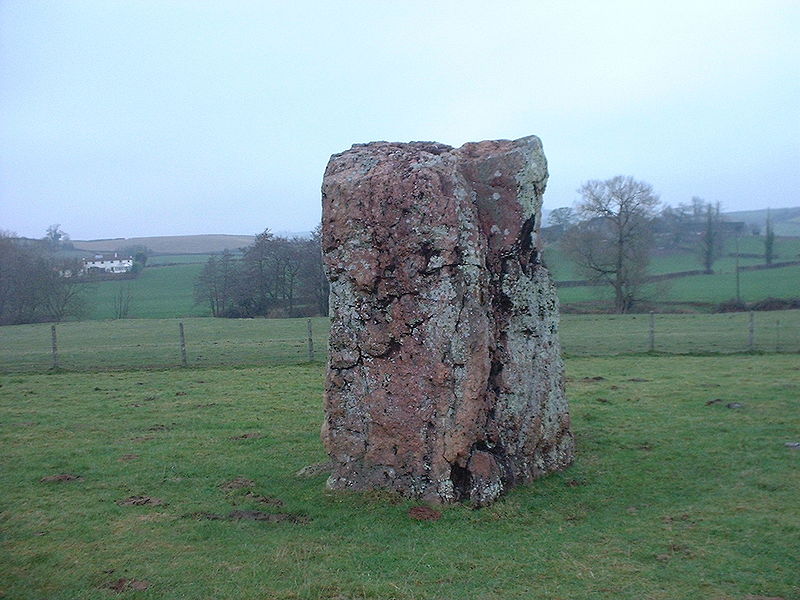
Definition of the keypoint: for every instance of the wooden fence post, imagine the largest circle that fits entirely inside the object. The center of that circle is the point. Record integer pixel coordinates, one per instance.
(751, 337)
(183, 344)
(54, 344)
(310, 342)
(652, 331)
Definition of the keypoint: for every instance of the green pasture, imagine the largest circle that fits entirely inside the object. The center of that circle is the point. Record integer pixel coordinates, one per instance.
(786, 249)
(155, 343)
(673, 496)
(177, 259)
(165, 288)
(158, 292)
(783, 282)
(598, 335)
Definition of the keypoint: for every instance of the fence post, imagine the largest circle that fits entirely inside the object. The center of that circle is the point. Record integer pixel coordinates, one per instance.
(652, 331)
(183, 344)
(310, 342)
(751, 337)
(54, 345)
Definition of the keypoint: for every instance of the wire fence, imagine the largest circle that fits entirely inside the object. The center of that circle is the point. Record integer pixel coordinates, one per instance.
(205, 342)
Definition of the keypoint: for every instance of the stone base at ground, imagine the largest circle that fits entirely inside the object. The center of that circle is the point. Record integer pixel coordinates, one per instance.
(445, 380)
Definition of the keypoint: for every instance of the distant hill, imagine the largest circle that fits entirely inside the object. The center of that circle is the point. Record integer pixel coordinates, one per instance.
(785, 221)
(170, 244)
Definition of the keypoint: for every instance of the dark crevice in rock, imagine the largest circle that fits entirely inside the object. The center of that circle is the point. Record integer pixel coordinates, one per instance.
(462, 482)
(527, 251)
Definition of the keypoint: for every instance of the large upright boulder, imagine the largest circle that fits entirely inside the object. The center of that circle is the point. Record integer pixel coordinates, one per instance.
(445, 380)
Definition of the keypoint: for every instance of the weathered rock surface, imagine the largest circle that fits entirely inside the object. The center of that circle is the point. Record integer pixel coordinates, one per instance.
(445, 380)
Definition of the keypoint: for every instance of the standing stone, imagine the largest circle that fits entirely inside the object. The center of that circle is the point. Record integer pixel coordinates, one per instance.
(445, 380)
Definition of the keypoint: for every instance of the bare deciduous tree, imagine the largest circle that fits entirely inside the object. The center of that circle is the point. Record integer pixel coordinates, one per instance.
(122, 302)
(217, 284)
(34, 287)
(613, 241)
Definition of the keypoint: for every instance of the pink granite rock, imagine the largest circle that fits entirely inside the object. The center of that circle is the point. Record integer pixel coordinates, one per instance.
(445, 380)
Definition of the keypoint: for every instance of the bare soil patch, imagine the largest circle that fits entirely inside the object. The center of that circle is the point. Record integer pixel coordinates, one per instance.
(161, 427)
(237, 483)
(424, 513)
(141, 501)
(575, 483)
(268, 500)
(253, 515)
(252, 435)
(61, 477)
(124, 584)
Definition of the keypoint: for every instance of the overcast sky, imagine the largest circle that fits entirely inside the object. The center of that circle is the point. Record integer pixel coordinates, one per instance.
(136, 118)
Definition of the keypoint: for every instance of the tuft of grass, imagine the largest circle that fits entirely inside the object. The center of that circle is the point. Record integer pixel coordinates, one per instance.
(671, 497)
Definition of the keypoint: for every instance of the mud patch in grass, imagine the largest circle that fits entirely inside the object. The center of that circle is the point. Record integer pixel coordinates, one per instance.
(60, 478)
(141, 501)
(237, 483)
(251, 435)
(424, 513)
(252, 515)
(123, 585)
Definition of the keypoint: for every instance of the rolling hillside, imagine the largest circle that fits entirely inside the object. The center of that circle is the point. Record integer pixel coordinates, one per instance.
(172, 244)
(786, 221)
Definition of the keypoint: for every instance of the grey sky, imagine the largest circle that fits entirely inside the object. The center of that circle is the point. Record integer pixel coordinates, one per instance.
(137, 118)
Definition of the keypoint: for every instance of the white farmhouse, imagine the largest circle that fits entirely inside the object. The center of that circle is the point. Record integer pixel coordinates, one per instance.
(108, 263)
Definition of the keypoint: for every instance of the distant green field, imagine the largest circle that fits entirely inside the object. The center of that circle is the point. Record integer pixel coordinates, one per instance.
(754, 285)
(598, 335)
(786, 249)
(171, 259)
(166, 291)
(154, 343)
(158, 292)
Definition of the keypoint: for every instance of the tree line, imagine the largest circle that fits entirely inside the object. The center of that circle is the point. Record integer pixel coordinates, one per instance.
(33, 286)
(611, 232)
(275, 276)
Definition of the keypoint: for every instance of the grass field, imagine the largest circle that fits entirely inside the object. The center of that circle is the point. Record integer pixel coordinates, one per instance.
(154, 343)
(165, 288)
(173, 259)
(671, 498)
(713, 289)
(786, 248)
(158, 292)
